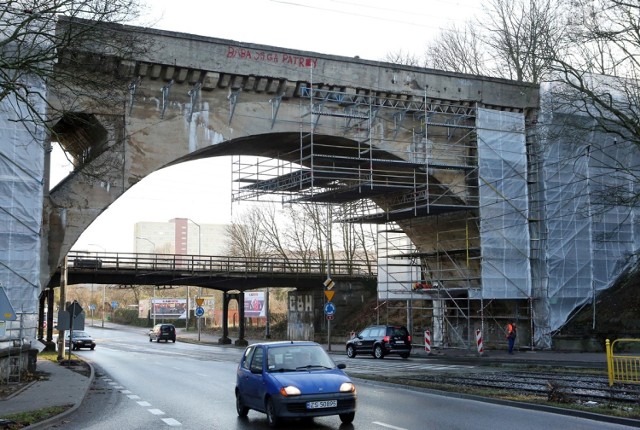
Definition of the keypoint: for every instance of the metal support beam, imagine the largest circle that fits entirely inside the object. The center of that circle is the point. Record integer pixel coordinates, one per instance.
(275, 106)
(233, 100)
(193, 95)
(133, 87)
(165, 97)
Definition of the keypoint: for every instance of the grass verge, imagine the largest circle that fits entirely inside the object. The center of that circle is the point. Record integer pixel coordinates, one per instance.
(25, 419)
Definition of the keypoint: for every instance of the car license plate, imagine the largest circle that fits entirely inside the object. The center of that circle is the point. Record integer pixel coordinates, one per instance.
(400, 342)
(322, 404)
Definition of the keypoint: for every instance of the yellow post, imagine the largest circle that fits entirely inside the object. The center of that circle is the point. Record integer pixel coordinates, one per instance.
(609, 362)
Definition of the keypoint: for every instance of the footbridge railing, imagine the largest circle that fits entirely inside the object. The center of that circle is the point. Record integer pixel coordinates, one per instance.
(623, 361)
(200, 264)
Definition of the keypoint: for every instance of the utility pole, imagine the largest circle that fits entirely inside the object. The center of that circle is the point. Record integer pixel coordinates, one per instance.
(61, 307)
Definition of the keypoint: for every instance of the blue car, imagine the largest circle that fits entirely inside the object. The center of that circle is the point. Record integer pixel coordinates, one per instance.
(293, 379)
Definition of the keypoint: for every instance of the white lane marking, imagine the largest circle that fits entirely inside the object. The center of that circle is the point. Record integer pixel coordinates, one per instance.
(118, 387)
(389, 426)
(172, 422)
(113, 383)
(156, 411)
(144, 403)
(125, 391)
(133, 396)
(202, 374)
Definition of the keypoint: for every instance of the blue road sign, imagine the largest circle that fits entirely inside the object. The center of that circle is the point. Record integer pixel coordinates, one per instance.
(329, 308)
(199, 311)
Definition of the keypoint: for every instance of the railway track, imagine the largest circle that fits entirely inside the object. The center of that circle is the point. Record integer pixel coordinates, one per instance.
(583, 387)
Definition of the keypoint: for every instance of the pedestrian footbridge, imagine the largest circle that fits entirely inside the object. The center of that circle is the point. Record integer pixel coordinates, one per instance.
(222, 273)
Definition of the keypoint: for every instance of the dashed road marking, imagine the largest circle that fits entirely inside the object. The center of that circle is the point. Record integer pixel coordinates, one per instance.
(389, 426)
(172, 422)
(169, 421)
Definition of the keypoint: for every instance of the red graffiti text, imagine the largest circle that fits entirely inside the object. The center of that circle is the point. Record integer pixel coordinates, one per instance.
(271, 57)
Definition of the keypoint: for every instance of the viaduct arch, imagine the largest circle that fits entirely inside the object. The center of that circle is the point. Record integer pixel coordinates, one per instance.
(344, 130)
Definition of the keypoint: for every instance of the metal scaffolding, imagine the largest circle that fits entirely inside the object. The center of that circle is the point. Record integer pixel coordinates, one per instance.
(407, 164)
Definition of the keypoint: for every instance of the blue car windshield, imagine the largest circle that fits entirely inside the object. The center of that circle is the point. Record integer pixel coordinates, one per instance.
(293, 358)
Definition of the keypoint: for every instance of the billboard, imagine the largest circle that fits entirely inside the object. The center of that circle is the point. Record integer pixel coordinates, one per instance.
(169, 308)
(254, 304)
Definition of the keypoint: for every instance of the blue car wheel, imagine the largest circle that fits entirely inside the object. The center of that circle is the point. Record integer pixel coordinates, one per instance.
(272, 418)
(242, 410)
(347, 418)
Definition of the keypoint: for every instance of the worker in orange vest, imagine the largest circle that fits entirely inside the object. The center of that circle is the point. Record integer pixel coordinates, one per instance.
(511, 335)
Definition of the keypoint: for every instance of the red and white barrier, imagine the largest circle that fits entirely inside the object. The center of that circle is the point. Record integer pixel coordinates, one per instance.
(479, 342)
(427, 341)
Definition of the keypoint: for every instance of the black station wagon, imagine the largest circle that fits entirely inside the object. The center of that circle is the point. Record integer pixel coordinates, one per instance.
(166, 332)
(380, 340)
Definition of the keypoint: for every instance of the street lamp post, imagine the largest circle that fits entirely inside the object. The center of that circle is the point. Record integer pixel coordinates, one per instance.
(153, 309)
(91, 303)
(199, 236)
(104, 300)
(104, 287)
(200, 291)
(151, 242)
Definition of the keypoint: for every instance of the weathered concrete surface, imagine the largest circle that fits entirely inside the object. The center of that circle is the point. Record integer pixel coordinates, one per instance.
(191, 97)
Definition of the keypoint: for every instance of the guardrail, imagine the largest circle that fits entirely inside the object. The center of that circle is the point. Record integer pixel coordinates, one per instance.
(214, 264)
(623, 367)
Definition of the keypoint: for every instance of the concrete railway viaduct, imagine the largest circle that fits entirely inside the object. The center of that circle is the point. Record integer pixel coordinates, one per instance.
(442, 162)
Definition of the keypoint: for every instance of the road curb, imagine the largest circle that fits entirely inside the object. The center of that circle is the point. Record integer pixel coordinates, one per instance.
(43, 424)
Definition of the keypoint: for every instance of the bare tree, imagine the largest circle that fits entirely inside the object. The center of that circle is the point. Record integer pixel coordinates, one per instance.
(512, 39)
(301, 232)
(458, 50)
(36, 41)
(317, 217)
(246, 236)
(596, 83)
(519, 34)
(404, 58)
(301, 236)
(612, 29)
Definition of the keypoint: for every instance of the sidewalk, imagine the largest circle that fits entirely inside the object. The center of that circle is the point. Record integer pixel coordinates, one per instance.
(66, 387)
(62, 386)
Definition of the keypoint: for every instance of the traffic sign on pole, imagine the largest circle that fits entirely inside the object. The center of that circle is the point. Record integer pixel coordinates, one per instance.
(329, 308)
(329, 294)
(6, 310)
(329, 283)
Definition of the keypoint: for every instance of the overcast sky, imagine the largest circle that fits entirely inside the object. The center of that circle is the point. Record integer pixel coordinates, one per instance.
(201, 190)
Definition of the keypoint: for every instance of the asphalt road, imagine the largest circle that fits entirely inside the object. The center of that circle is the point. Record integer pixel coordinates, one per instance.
(149, 385)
